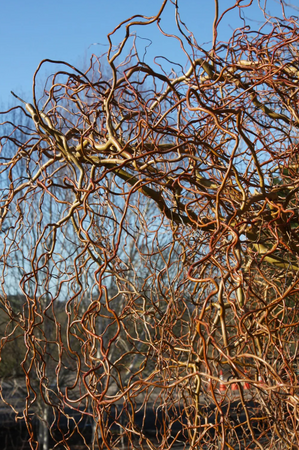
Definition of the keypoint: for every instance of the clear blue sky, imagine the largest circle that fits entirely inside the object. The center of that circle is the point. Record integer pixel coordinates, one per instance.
(32, 30)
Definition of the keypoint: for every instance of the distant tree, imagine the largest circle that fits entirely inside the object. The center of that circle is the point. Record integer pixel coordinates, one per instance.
(173, 235)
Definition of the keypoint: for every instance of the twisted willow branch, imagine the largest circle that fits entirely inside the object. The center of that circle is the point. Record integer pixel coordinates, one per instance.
(149, 246)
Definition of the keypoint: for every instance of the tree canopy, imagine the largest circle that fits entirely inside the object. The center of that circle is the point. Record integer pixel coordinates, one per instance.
(162, 208)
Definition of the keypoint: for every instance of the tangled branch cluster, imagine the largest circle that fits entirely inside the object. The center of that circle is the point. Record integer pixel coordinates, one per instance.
(151, 221)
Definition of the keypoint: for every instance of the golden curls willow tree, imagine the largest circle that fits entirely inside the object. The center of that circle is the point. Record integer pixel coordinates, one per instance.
(150, 221)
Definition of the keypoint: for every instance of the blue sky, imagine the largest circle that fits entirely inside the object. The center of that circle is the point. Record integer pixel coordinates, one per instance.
(72, 30)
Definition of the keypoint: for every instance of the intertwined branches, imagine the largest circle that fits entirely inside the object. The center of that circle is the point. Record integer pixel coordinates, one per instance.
(163, 210)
